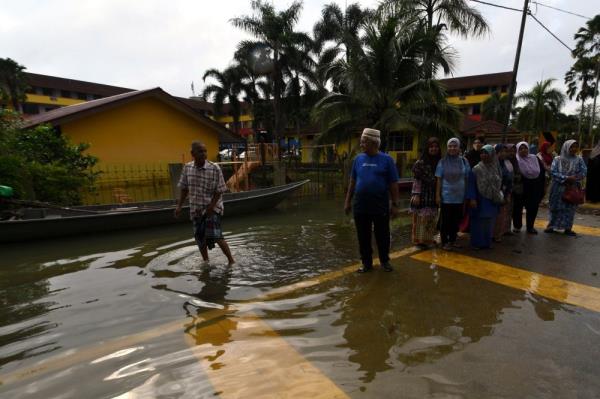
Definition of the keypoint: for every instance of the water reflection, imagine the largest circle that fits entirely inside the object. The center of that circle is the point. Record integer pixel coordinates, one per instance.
(368, 333)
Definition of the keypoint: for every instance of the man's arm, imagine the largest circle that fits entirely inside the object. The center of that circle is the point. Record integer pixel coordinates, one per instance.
(213, 202)
(221, 188)
(183, 193)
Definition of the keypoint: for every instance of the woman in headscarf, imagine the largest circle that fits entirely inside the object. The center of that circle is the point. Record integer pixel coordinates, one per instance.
(473, 154)
(533, 179)
(592, 187)
(422, 204)
(451, 173)
(502, 225)
(485, 196)
(567, 169)
(545, 155)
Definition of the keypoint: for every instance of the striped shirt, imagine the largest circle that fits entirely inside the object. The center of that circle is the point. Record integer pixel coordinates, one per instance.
(202, 183)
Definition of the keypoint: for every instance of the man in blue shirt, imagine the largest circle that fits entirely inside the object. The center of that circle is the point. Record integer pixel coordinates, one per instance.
(374, 177)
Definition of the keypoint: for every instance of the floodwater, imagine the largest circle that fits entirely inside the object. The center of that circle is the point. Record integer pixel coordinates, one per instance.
(139, 315)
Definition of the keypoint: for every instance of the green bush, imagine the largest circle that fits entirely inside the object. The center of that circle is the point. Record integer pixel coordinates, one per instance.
(41, 164)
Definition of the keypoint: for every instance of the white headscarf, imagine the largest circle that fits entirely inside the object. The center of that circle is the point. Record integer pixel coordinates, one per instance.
(529, 165)
(568, 162)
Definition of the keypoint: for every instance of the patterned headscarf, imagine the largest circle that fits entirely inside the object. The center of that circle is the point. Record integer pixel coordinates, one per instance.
(489, 176)
(568, 162)
(529, 165)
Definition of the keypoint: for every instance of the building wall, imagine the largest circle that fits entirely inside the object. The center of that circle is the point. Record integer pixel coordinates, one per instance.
(146, 131)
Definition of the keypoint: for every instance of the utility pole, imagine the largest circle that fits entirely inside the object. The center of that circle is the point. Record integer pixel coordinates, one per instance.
(511, 92)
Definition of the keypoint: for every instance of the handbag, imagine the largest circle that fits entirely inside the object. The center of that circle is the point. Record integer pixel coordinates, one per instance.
(573, 195)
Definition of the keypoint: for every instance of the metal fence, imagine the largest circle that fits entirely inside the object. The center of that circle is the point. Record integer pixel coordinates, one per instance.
(123, 183)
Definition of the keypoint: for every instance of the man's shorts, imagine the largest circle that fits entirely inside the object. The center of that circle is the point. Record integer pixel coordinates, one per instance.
(207, 230)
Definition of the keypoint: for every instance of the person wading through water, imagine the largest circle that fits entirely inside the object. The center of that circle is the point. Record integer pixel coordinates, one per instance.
(204, 183)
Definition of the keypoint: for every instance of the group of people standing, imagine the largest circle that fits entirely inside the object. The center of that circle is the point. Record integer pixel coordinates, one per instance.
(485, 191)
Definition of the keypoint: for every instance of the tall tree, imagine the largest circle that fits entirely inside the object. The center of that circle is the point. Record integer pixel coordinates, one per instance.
(495, 107)
(340, 26)
(274, 32)
(13, 84)
(229, 88)
(542, 105)
(580, 84)
(455, 15)
(386, 89)
(588, 46)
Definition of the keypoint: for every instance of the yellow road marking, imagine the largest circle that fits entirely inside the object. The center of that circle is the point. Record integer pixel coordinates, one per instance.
(578, 228)
(554, 288)
(245, 358)
(61, 362)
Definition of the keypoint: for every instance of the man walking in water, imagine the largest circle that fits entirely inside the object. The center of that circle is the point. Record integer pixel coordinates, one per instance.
(374, 176)
(204, 183)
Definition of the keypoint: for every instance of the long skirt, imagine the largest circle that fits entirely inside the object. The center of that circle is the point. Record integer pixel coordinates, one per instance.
(562, 213)
(502, 225)
(424, 226)
(481, 232)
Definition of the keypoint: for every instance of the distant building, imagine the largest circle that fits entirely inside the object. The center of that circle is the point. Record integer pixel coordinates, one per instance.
(137, 127)
(469, 93)
(47, 93)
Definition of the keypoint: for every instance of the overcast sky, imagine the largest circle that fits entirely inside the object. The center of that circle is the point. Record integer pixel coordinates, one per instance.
(149, 43)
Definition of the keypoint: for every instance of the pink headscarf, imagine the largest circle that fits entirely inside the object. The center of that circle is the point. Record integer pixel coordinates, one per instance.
(529, 165)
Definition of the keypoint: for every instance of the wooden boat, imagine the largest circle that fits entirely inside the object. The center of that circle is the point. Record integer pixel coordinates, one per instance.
(52, 223)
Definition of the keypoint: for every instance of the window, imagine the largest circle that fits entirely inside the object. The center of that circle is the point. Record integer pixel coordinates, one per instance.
(481, 90)
(30, 109)
(65, 93)
(504, 88)
(47, 91)
(81, 96)
(400, 141)
(464, 92)
(476, 109)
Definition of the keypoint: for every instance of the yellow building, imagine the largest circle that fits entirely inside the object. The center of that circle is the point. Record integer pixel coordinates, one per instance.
(137, 127)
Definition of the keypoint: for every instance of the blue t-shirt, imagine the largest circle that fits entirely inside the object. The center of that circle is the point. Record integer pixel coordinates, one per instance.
(373, 176)
(453, 193)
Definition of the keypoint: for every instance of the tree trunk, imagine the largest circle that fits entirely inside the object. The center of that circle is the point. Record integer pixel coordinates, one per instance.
(593, 116)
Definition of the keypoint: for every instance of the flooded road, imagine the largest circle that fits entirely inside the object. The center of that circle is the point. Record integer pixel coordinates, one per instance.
(138, 314)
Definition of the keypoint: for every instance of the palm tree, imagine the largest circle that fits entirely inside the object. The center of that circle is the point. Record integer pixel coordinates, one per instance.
(542, 105)
(588, 45)
(386, 86)
(341, 27)
(455, 15)
(581, 74)
(13, 85)
(494, 107)
(229, 89)
(274, 33)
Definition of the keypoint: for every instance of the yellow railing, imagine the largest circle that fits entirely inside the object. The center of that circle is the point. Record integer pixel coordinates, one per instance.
(123, 183)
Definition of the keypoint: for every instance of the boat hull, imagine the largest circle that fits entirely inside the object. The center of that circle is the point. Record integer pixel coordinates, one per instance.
(236, 204)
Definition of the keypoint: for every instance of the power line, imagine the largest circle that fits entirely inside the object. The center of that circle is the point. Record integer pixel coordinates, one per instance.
(530, 14)
(549, 31)
(497, 5)
(559, 9)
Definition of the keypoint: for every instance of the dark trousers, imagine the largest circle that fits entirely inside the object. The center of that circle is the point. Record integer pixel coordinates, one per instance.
(531, 207)
(450, 217)
(364, 226)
